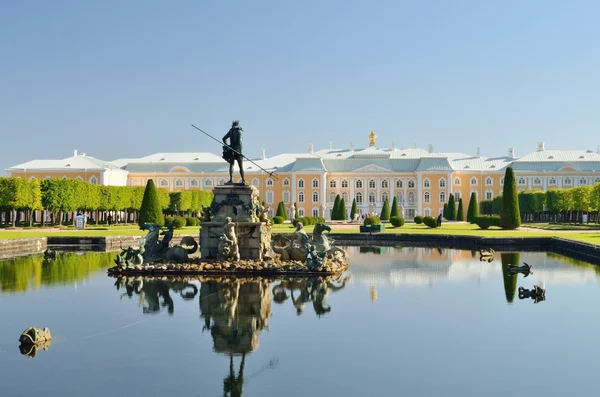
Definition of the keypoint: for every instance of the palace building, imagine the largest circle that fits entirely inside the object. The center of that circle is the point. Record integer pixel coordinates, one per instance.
(421, 180)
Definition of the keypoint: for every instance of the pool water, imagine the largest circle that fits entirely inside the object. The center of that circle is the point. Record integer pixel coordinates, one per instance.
(401, 321)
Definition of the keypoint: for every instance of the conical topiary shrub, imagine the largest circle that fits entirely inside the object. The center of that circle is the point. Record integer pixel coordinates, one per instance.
(342, 210)
(150, 210)
(354, 209)
(460, 213)
(510, 216)
(473, 211)
(451, 209)
(395, 211)
(336, 209)
(385, 211)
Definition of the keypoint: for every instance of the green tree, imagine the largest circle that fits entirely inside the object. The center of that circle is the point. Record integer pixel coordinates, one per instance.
(354, 209)
(335, 213)
(395, 211)
(342, 213)
(163, 197)
(582, 199)
(385, 211)
(497, 205)
(473, 210)
(451, 209)
(151, 211)
(445, 211)
(180, 201)
(460, 213)
(510, 216)
(281, 210)
(510, 282)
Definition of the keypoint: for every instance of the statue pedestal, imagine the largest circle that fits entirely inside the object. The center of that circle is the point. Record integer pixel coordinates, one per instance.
(240, 203)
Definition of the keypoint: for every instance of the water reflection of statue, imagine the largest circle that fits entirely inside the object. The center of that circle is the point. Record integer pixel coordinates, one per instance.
(154, 293)
(305, 290)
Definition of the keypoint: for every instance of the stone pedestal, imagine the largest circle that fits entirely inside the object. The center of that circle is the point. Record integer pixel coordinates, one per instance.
(232, 199)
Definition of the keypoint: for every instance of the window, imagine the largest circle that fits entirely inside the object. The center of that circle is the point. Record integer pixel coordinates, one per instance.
(552, 181)
(301, 183)
(521, 181)
(400, 197)
(344, 183)
(315, 183)
(359, 198)
(537, 181)
(207, 182)
(582, 181)
(426, 197)
(597, 179)
(384, 196)
(371, 184)
(371, 197)
(94, 180)
(301, 212)
(255, 182)
(502, 181)
(442, 197)
(194, 182)
(315, 212)
(457, 181)
(286, 196)
(178, 183)
(286, 182)
(489, 195)
(301, 197)
(315, 197)
(270, 197)
(332, 196)
(411, 197)
(427, 212)
(489, 181)
(399, 184)
(332, 184)
(358, 184)
(269, 182)
(411, 184)
(442, 182)
(384, 184)
(345, 197)
(473, 181)
(221, 182)
(426, 183)
(456, 196)
(164, 182)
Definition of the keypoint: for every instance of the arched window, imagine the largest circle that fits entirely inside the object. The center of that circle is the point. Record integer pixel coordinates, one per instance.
(359, 184)
(583, 181)
(426, 183)
(332, 197)
(345, 197)
(489, 181)
(411, 197)
(442, 197)
(301, 197)
(371, 183)
(552, 181)
(427, 212)
(315, 197)
(457, 181)
(286, 196)
(371, 197)
(384, 196)
(301, 212)
(79, 178)
(399, 184)
(489, 195)
(286, 182)
(315, 183)
(194, 182)
(537, 181)
(456, 195)
(411, 184)
(473, 181)
(344, 183)
(301, 183)
(521, 181)
(255, 182)
(164, 183)
(207, 182)
(94, 180)
(358, 198)
(221, 182)
(400, 197)
(332, 184)
(270, 197)
(426, 197)
(178, 183)
(384, 184)
(442, 182)
(315, 212)
(269, 182)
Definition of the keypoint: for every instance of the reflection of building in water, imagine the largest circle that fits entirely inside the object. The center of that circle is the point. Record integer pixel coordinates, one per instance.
(412, 266)
(306, 290)
(154, 293)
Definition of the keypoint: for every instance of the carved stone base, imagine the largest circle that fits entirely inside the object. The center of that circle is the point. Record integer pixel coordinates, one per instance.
(237, 202)
(253, 239)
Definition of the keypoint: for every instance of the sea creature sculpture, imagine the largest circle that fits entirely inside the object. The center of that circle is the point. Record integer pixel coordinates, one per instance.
(526, 269)
(538, 294)
(50, 255)
(486, 255)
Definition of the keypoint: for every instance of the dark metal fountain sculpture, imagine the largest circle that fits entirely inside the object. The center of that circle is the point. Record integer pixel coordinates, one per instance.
(537, 293)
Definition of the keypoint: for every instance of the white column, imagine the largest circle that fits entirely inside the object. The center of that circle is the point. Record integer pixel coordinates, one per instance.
(294, 193)
(323, 198)
(378, 192)
(545, 183)
(392, 185)
(418, 194)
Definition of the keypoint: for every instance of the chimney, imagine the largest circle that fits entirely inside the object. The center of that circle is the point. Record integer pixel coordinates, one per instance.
(540, 146)
(393, 144)
(351, 145)
(478, 151)
(430, 148)
(75, 153)
(264, 154)
(310, 148)
(330, 145)
(511, 152)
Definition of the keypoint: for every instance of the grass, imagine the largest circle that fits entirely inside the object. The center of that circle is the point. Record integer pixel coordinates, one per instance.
(563, 226)
(461, 229)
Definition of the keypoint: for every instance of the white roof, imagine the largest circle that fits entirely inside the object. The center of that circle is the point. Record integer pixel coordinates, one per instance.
(78, 162)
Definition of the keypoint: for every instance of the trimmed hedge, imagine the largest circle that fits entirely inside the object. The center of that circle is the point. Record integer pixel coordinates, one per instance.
(484, 222)
(179, 222)
(278, 220)
(385, 211)
(430, 222)
(151, 209)
(192, 221)
(451, 216)
(397, 221)
(169, 219)
(418, 219)
(395, 211)
(510, 215)
(460, 212)
(372, 220)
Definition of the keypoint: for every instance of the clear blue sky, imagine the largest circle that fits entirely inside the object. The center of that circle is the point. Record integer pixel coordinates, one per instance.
(127, 78)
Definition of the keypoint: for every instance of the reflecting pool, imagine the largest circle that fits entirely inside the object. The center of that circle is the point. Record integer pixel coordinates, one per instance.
(402, 321)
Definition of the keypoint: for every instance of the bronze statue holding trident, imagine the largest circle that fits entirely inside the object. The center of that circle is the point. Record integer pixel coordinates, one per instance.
(235, 142)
